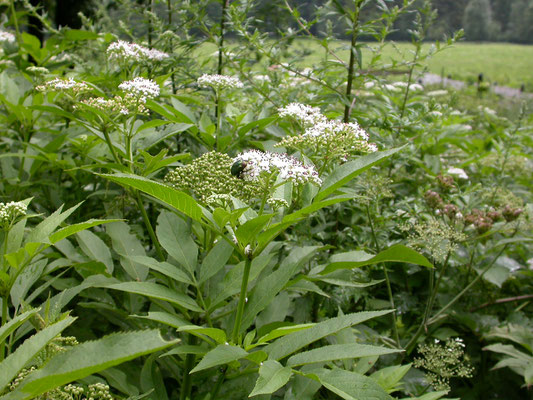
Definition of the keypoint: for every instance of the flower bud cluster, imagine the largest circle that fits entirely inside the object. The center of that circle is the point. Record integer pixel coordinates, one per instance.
(7, 37)
(137, 92)
(122, 50)
(219, 82)
(335, 138)
(64, 85)
(73, 390)
(210, 180)
(10, 211)
(443, 362)
(483, 221)
(277, 203)
(288, 168)
(20, 377)
(99, 391)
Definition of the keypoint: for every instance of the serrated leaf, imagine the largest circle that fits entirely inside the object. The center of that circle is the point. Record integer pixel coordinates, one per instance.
(95, 249)
(165, 318)
(216, 334)
(12, 325)
(88, 358)
(10, 367)
(164, 268)
(297, 340)
(127, 245)
(41, 232)
(338, 352)
(168, 195)
(248, 231)
(175, 237)
(272, 376)
(215, 260)
(346, 172)
(350, 385)
(220, 355)
(389, 377)
(157, 291)
(396, 253)
(72, 229)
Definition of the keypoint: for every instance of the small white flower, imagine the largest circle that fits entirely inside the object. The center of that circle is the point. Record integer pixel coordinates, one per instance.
(416, 87)
(370, 84)
(141, 87)
(459, 172)
(437, 93)
(7, 37)
(219, 81)
(122, 50)
(62, 85)
(304, 114)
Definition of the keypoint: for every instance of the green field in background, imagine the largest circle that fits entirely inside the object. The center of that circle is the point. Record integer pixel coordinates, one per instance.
(503, 63)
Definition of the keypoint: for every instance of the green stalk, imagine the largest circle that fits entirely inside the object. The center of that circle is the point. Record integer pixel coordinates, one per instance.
(242, 300)
(110, 145)
(15, 21)
(351, 65)
(148, 224)
(218, 116)
(186, 385)
(387, 280)
(4, 321)
(218, 385)
(225, 4)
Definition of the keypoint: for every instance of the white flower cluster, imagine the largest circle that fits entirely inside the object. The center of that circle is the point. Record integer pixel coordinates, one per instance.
(219, 81)
(335, 137)
(458, 172)
(306, 115)
(122, 50)
(137, 92)
(10, 211)
(74, 390)
(7, 37)
(437, 93)
(289, 168)
(141, 88)
(37, 70)
(63, 85)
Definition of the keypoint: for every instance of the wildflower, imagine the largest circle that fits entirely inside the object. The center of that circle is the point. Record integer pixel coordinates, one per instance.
(141, 88)
(437, 93)
(277, 203)
(219, 82)
(37, 70)
(459, 172)
(10, 211)
(369, 85)
(510, 214)
(305, 115)
(210, 180)
(7, 37)
(433, 199)
(288, 168)
(63, 85)
(122, 50)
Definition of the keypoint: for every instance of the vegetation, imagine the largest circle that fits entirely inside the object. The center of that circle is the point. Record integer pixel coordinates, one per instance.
(191, 209)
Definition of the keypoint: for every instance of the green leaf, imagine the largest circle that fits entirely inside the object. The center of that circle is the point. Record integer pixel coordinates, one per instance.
(165, 268)
(165, 318)
(95, 249)
(350, 385)
(72, 229)
(41, 232)
(297, 340)
(220, 355)
(396, 253)
(389, 377)
(10, 367)
(272, 376)
(175, 237)
(283, 331)
(11, 326)
(127, 245)
(185, 349)
(248, 231)
(338, 352)
(168, 195)
(346, 172)
(88, 358)
(160, 292)
(218, 335)
(215, 260)
(266, 289)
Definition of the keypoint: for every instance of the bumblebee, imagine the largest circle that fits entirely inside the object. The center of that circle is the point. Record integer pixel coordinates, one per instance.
(237, 168)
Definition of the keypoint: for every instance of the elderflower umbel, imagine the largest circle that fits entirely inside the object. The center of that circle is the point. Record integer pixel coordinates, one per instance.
(219, 81)
(443, 362)
(99, 391)
(306, 115)
(63, 85)
(10, 211)
(289, 168)
(458, 172)
(7, 37)
(141, 87)
(122, 50)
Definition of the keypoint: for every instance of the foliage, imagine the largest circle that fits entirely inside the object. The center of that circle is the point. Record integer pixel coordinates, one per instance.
(296, 221)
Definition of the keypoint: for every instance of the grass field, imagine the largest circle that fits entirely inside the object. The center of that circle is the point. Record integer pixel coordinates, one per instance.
(504, 63)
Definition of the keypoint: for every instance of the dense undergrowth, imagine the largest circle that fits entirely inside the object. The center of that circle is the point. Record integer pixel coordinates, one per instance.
(235, 225)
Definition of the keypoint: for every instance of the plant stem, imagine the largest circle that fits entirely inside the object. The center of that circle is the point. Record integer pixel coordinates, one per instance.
(186, 385)
(242, 300)
(225, 4)
(15, 21)
(218, 117)
(148, 224)
(351, 65)
(4, 321)
(387, 280)
(110, 145)
(218, 385)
